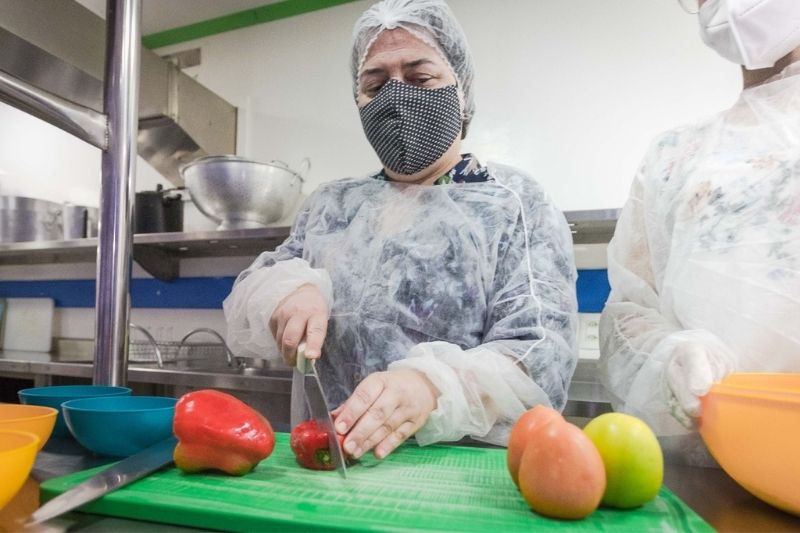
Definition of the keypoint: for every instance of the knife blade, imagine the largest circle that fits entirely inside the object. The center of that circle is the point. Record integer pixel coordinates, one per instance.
(118, 475)
(297, 402)
(322, 414)
(318, 405)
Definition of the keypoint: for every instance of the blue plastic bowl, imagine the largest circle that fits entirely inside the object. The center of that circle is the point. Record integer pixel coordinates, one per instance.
(57, 395)
(120, 425)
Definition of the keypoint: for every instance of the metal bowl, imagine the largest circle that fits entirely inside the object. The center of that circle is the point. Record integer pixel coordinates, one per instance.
(238, 193)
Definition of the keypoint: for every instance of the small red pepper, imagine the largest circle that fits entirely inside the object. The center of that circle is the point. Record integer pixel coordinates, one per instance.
(309, 442)
(216, 431)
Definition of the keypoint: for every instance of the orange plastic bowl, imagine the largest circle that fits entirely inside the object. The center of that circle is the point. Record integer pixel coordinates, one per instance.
(764, 382)
(17, 454)
(751, 425)
(34, 419)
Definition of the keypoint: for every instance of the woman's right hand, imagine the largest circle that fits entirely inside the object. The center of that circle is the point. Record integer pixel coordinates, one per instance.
(301, 315)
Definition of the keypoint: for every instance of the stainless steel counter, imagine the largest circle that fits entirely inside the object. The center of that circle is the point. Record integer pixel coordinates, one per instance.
(723, 503)
(28, 364)
(586, 395)
(266, 389)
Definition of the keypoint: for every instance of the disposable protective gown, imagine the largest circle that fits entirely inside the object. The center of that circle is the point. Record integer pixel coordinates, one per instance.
(471, 283)
(707, 252)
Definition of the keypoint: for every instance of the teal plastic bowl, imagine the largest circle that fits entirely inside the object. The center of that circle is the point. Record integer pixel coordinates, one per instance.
(57, 395)
(120, 425)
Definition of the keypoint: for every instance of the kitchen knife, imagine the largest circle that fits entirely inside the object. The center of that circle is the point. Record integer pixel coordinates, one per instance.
(318, 406)
(120, 474)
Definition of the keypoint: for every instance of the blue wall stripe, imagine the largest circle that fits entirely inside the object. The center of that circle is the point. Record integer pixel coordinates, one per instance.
(208, 292)
(183, 293)
(593, 290)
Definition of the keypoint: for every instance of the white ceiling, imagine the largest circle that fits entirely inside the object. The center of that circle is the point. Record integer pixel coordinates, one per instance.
(160, 15)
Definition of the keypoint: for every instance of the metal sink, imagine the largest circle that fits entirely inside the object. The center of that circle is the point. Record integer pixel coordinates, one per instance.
(238, 367)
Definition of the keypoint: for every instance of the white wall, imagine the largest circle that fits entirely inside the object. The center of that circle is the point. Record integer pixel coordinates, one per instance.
(569, 91)
(41, 161)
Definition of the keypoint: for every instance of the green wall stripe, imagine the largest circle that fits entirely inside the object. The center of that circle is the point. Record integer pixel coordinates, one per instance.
(235, 21)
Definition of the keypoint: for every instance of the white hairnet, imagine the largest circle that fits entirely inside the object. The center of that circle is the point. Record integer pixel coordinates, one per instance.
(704, 262)
(431, 21)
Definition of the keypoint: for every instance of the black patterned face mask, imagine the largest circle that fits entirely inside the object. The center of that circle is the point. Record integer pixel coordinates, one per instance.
(410, 127)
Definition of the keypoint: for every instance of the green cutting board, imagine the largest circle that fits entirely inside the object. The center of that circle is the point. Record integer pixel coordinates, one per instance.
(436, 488)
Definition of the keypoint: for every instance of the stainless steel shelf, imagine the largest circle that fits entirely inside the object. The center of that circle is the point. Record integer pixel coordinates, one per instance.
(595, 226)
(158, 253)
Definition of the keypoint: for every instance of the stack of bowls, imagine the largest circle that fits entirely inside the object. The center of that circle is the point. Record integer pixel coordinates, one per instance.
(24, 429)
(55, 396)
(751, 425)
(35, 419)
(120, 425)
(17, 455)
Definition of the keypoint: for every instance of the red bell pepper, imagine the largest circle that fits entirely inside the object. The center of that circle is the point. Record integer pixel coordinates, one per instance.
(216, 431)
(309, 442)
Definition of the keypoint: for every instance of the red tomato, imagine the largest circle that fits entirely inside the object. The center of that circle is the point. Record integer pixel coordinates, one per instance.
(521, 434)
(561, 474)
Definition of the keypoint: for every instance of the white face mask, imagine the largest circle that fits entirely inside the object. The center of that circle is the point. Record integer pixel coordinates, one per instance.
(753, 33)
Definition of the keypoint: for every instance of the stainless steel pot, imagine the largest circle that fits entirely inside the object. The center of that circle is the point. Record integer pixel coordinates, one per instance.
(158, 211)
(78, 221)
(29, 219)
(239, 193)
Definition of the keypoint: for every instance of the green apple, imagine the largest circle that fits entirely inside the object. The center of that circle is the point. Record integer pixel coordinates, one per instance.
(632, 457)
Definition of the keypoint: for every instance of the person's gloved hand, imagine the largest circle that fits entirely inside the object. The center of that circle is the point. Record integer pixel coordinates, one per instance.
(691, 371)
(384, 410)
(301, 315)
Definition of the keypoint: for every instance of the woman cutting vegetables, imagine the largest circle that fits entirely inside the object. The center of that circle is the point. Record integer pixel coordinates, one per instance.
(439, 293)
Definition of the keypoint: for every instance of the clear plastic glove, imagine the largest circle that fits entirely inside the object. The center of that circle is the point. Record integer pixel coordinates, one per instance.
(692, 369)
(257, 294)
(384, 410)
(301, 315)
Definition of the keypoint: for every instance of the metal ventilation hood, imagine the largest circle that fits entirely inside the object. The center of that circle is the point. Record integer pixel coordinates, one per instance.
(58, 46)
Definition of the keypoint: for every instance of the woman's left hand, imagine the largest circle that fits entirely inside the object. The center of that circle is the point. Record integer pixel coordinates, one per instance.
(384, 410)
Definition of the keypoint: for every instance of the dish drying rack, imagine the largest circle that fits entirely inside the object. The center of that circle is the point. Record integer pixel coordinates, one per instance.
(151, 351)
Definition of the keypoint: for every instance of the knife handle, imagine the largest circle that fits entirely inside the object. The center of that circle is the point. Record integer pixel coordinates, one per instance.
(301, 361)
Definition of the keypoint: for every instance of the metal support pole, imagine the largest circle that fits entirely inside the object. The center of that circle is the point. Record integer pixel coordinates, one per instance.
(82, 122)
(121, 99)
